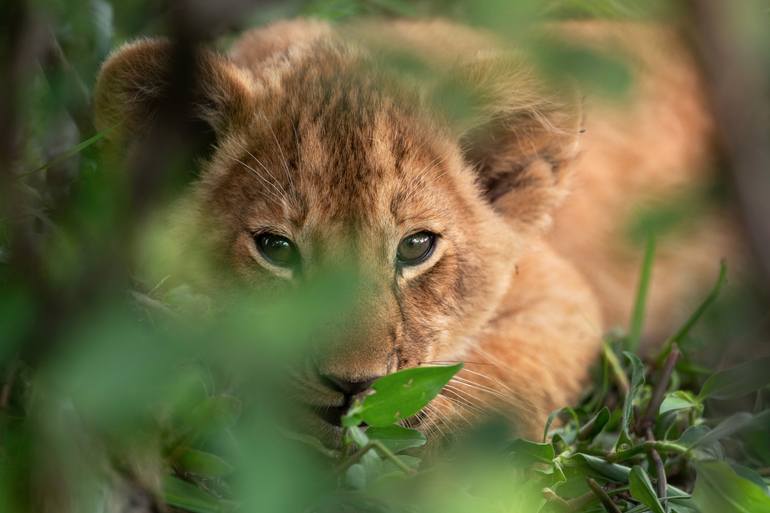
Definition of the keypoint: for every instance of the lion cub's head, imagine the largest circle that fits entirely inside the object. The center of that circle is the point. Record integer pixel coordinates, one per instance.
(323, 155)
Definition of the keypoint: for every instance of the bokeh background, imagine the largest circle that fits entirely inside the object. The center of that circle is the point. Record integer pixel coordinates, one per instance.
(125, 388)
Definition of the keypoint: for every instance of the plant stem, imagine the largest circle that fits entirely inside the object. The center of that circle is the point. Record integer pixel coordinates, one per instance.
(355, 457)
(387, 453)
(660, 446)
(384, 452)
(610, 506)
(648, 419)
(682, 332)
(660, 470)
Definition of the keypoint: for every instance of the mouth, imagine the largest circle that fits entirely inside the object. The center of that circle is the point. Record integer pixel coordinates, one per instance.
(332, 414)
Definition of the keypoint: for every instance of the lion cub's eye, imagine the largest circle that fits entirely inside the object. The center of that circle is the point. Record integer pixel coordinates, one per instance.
(416, 248)
(277, 250)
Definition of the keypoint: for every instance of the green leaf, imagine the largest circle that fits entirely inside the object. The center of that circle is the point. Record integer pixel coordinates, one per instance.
(637, 380)
(70, 152)
(737, 381)
(526, 452)
(355, 476)
(679, 337)
(599, 467)
(204, 463)
(679, 400)
(399, 396)
(724, 429)
(396, 438)
(640, 305)
(212, 415)
(594, 426)
(189, 497)
(641, 489)
(312, 442)
(554, 414)
(718, 489)
(357, 436)
(752, 475)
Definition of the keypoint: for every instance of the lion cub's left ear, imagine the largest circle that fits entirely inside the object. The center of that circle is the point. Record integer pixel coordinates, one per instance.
(521, 142)
(140, 79)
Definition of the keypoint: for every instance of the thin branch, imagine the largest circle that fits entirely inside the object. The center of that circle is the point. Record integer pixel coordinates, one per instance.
(660, 470)
(648, 419)
(605, 499)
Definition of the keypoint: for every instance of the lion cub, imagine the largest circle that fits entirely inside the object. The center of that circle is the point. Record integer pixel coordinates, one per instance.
(323, 152)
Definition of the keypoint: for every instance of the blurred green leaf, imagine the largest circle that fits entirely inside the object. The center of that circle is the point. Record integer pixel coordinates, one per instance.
(203, 463)
(637, 381)
(600, 468)
(598, 71)
(737, 381)
(355, 476)
(526, 452)
(189, 497)
(396, 438)
(751, 475)
(726, 428)
(212, 415)
(679, 337)
(718, 489)
(594, 426)
(400, 395)
(641, 489)
(679, 400)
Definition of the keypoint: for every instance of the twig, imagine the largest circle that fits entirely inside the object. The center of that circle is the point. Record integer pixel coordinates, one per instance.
(556, 501)
(605, 499)
(648, 419)
(384, 452)
(660, 470)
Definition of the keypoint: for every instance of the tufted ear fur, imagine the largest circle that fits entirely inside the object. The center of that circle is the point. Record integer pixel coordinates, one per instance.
(521, 142)
(143, 80)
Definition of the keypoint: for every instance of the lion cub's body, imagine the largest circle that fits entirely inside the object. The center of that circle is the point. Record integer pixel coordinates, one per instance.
(353, 156)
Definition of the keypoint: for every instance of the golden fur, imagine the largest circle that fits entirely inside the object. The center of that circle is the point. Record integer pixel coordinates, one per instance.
(320, 142)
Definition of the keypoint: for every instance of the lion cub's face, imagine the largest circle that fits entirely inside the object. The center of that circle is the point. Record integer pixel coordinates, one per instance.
(319, 162)
(356, 180)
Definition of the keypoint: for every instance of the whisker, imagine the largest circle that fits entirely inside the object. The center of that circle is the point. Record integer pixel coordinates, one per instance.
(280, 150)
(277, 196)
(273, 182)
(463, 398)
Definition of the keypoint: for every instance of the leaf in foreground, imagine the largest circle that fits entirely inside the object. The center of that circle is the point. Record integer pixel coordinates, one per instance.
(399, 396)
(718, 489)
(181, 494)
(397, 438)
(642, 490)
(737, 381)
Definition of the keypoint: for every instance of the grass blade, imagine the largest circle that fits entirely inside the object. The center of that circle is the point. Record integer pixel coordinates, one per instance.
(640, 305)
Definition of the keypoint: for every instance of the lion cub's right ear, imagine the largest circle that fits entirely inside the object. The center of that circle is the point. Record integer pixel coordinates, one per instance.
(141, 79)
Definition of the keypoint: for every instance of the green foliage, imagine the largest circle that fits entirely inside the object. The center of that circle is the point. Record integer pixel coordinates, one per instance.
(399, 396)
(116, 373)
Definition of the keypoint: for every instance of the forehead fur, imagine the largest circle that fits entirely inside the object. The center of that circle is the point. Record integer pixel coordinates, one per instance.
(335, 141)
